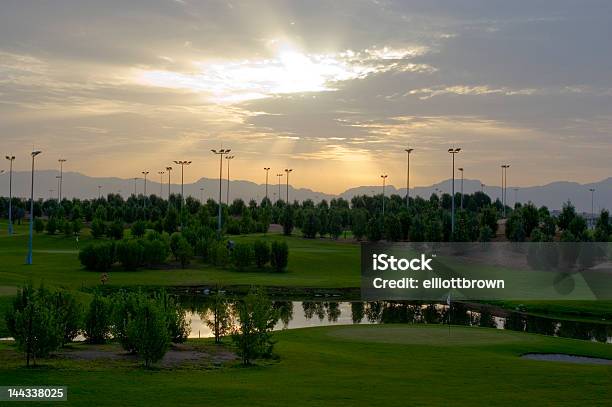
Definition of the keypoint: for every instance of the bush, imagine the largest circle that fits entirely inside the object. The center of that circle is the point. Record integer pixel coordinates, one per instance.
(148, 332)
(97, 320)
(39, 225)
(138, 229)
(257, 318)
(242, 255)
(181, 249)
(221, 255)
(129, 254)
(98, 228)
(155, 251)
(123, 308)
(261, 253)
(51, 225)
(98, 256)
(178, 326)
(115, 230)
(279, 255)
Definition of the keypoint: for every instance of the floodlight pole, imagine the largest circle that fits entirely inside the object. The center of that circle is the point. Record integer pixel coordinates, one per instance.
(29, 257)
(267, 169)
(453, 151)
(11, 158)
(408, 151)
(288, 170)
(384, 178)
(220, 153)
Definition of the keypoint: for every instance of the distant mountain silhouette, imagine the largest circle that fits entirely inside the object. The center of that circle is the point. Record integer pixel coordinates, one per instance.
(552, 195)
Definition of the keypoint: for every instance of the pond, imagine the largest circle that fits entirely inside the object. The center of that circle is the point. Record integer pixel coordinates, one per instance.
(302, 314)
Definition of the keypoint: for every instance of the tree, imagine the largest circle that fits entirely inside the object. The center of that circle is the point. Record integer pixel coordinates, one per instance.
(393, 228)
(359, 223)
(98, 228)
(335, 224)
(51, 225)
(256, 319)
(374, 229)
(311, 224)
(279, 256)
(33, 324)
(530, 217)
(171, 220)
(138, 228)
(184, 252)
(148, 332)
(219, 317)
(287, 220)
(97, 320)
(130, 253)
(567, 215)
(603, 229)
(488, 218)
(69, 315)
(115, 230)
(178, 326)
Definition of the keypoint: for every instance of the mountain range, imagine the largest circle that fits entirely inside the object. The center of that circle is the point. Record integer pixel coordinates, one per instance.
(75, 184)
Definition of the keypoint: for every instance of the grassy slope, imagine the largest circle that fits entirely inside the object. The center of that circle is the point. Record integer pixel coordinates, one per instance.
(350, 366)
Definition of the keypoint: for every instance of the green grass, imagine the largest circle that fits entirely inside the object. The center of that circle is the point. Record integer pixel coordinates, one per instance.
(312, 263)
(390, 365)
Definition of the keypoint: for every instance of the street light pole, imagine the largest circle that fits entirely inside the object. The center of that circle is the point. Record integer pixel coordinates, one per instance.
(452, 152)
(592, 204)
(61, 182)
(145, 173)
(228, 158)
(408, 151)
(135, 180)
(504, 168)
(99, 191)
(29, 257)
(220, 153)
(461, 170)
(267, 169)
(182, 164)
(288, 170)
(169, 169)
(161, 182)
(384, 178)
(11, 158)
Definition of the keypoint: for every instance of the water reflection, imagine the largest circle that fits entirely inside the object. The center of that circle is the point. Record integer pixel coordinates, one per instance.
(322, 313)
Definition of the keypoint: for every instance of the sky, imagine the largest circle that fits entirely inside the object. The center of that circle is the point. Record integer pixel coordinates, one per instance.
(335, 90)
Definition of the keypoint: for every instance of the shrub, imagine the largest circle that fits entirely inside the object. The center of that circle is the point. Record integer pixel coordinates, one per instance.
(242, 255)
(184, 252)
(154, 251)
(97, 320)
(138, 228)
(261, 252)
(98, 228)
(115, 230)
(279, 255)
(148, 332)
(123, 308)
(256, 317)
(98, 256)
(129, 253)
(174, 242)
(221, 254)
(39, 225)
(51, 225)
(178, 326)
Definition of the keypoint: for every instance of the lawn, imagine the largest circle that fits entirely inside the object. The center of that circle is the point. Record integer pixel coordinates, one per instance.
(390, 365)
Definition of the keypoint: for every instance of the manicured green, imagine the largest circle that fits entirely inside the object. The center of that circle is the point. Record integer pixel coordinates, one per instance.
(388, 365)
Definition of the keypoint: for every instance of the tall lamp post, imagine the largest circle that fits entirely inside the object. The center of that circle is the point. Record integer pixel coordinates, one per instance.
(279, 176)
(145, 173)
(267, 169)
(29, 257)
(61, 182)
(504, 168)
(453, 151)
(161, 182)
(461, 170)
(288, 170)
(169, 169)
(11, 158)
(384, 179)
(220, 153)
(592, 206)
(408, 151)
(99, 191)
(228, 158)
(182, 164)
(135, 181)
